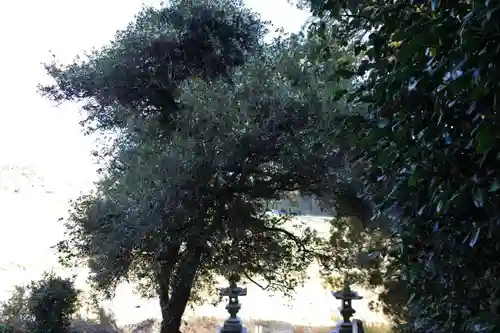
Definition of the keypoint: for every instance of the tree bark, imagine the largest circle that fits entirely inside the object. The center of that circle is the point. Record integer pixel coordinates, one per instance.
(167, 262)
(181, 290)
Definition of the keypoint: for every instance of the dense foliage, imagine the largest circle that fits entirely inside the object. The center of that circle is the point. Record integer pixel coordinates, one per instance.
(51, 304)
(213, 123)
(14, 311)
(152, 231)
(45, 305)
(430, 146)
(183, 196)
(137, 75)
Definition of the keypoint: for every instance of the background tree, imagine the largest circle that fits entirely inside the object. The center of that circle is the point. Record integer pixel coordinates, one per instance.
(183, 198)
(51, 304)
(132, 86)
(44, 305)
(244, 135)
(14, 311)
(360, 242)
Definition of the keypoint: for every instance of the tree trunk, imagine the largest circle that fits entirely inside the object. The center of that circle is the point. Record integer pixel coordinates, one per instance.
(167, 262)
(181, 290)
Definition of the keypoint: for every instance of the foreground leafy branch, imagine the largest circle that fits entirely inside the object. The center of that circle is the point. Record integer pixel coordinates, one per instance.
(431, 148)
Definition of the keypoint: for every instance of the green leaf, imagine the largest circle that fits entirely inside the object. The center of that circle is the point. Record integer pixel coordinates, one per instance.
(439, 207)
(414, 178)
(339, 94)
(485, 140)
(479, 92)
(345, 73)
(495, 186)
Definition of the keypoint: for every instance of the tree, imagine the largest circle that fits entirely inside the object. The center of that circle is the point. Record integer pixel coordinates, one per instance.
(183, 196)
(14, 311)
(51, 303)
(431, 146)
(360, 242)
(133, 84)
(138, 74)
(154, 185)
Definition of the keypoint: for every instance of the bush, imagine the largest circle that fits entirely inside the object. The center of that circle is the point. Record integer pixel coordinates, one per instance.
(52, 302)
(13, 312)
(6, 328)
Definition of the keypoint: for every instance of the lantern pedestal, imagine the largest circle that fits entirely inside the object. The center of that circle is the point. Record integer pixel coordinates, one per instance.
(218, 329)
(233, 324)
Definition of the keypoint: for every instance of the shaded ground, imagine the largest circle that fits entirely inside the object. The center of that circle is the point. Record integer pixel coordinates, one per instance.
(207, 325)
(210, 324)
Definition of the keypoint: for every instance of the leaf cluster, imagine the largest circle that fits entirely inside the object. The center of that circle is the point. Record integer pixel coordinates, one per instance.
(52, 302)
(14, 311)
(430, 145)
(139, 72)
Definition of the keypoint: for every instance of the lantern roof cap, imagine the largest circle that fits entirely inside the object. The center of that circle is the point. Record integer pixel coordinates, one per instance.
(346, 294)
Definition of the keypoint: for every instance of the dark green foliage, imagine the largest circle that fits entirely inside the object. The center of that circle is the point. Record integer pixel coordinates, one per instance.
(52, 302)
(14, 311)
(431, 146)
(140, 71)
(6, 328)
(156, 238)
(240, 149)
(172, 212)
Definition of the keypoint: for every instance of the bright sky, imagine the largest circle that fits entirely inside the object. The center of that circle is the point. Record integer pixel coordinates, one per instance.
(44, 157)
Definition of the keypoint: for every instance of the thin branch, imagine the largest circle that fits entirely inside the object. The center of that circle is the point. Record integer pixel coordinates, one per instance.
(295, 238)
(299, 242)
(255, 282)
(358, 16)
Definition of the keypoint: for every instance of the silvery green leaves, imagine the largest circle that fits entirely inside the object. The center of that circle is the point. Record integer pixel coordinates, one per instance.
(140, 70)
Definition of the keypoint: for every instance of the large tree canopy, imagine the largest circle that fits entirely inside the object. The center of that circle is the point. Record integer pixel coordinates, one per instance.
(430, 143)
(132, 85)
(205, 140)
(139, 72)
(249, 157)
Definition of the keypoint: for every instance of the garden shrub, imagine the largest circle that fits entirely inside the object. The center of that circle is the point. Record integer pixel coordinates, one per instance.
(52, 302)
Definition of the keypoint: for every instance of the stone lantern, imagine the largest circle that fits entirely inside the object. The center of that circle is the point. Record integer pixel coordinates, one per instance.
(233, 323)
(346, 325)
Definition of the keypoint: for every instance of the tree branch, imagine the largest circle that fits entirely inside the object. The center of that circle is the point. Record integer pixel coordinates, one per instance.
(255, 282)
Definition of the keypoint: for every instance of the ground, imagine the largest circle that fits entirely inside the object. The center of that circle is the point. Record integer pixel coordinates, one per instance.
(209, 325)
